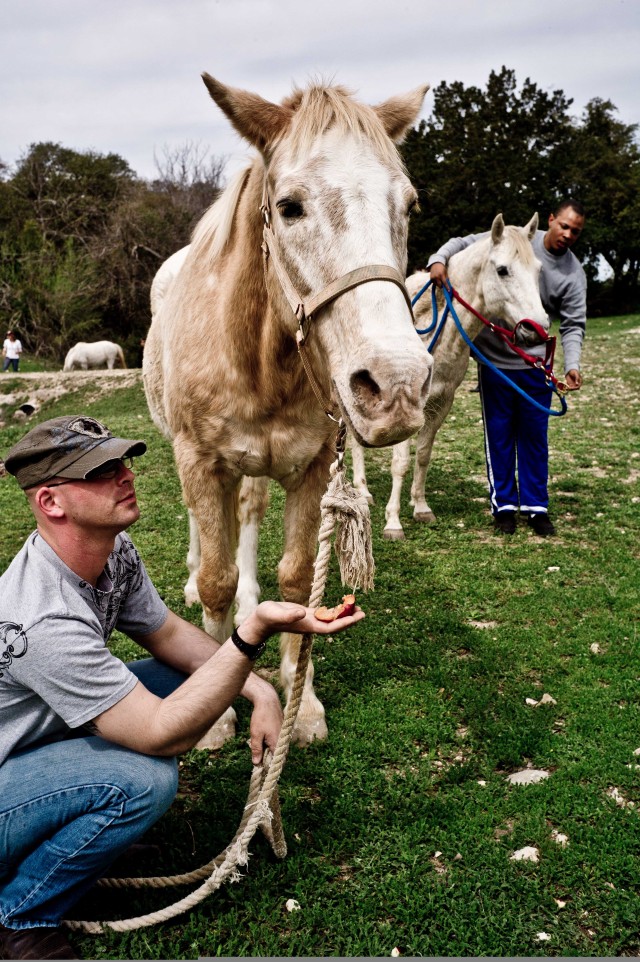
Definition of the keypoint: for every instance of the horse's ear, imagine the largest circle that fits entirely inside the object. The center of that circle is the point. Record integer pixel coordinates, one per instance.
(399, 113)
(532, 226)
(257, 120)
(497, 229)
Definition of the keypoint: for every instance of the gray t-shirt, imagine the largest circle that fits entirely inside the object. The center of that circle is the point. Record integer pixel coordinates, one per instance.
(563, 292)
(56, 672)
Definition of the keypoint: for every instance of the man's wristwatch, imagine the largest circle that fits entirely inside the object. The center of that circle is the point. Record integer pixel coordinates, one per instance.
(251, 651)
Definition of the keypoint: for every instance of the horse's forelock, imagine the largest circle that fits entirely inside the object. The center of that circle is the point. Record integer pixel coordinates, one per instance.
(518, 243)
(321, 107)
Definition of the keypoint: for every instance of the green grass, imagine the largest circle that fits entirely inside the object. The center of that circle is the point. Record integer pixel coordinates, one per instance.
(425, 701)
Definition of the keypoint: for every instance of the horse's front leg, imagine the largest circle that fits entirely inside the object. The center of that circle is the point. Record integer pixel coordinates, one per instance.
(252, 506)
(295, 573)
(359, 476)
(437, 409)
(400, 458)
(211, 499)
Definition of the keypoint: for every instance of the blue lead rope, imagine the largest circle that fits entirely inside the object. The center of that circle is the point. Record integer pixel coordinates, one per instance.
(449, 309)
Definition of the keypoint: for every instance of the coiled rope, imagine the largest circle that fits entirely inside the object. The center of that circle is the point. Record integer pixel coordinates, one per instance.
(342, 508)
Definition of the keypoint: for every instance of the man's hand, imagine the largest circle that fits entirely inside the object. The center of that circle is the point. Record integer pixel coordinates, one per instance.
(266, 717)
(438, 274)
(573, 379)
(271, 617)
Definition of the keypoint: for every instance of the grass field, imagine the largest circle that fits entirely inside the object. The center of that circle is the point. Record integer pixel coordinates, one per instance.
(402, 826)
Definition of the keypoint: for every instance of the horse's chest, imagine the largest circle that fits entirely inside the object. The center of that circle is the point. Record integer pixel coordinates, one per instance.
(283, 452)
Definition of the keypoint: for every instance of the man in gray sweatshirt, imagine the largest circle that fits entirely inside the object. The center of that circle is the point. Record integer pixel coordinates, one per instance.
(515, 430)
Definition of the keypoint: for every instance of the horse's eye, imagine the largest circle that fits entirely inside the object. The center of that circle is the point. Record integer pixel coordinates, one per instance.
(414, 207)
(503, 271)
(290, 209)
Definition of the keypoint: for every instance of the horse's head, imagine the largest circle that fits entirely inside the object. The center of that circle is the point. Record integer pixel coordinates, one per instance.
(338, 199)
(510, 278)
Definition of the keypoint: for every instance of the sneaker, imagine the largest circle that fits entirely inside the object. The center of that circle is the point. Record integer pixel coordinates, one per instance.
(541, 524)
(38, 943)
(505, 521)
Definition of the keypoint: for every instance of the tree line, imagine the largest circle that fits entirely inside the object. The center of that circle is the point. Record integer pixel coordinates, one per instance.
(81, 236)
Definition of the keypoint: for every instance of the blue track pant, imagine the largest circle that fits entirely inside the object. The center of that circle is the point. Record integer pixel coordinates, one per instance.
(515, 440)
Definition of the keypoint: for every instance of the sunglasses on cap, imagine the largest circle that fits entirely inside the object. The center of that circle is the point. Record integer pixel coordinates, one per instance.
(106, 472)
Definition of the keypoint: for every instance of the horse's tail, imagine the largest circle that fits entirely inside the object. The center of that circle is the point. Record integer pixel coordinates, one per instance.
(123, 363)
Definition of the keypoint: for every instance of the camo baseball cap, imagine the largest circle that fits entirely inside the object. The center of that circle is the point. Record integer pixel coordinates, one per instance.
(67, 447)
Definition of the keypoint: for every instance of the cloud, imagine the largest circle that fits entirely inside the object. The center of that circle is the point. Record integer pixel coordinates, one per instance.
(124, 76)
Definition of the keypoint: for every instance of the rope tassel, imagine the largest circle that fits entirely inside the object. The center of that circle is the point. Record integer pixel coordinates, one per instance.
(348, 511)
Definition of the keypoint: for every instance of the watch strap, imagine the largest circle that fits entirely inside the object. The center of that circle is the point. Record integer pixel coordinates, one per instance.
(251, 651)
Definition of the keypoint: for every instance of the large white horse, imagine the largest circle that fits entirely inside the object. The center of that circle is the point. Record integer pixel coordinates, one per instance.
(499, 277)
(327, 194)
(84, 355)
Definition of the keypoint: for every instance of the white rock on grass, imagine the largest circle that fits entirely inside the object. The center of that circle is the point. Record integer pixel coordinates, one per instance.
(292, 905)
(543, 937)
(527, 854)
(395, 952)
(595, 648)
(559, 838)
(528, 776)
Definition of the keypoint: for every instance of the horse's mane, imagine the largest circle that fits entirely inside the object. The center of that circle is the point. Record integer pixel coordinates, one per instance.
(213, 229)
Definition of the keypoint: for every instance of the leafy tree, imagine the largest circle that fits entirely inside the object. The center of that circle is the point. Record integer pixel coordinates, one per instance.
(501, 149)
(605, 174)
(81, 238)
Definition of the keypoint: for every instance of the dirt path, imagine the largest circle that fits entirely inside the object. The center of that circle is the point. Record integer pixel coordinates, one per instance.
(34, 389)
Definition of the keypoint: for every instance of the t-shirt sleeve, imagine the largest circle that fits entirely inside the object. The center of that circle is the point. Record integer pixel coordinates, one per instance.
(66, 662)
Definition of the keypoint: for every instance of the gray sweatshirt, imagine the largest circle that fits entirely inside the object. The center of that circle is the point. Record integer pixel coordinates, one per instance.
(563, 291)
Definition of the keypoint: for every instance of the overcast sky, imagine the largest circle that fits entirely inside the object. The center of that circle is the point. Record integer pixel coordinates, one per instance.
(123, 76)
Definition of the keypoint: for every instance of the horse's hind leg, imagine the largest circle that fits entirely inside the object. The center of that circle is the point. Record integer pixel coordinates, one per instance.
(295, 572)
(253, 503)
(191, 595)
(399, 466)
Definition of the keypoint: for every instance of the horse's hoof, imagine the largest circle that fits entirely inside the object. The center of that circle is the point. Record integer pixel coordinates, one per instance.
(306, 732)
(427, 517)
(393, 534)
(223, 731)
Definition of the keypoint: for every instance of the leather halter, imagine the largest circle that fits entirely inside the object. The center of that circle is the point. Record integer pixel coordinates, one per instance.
(306, 310)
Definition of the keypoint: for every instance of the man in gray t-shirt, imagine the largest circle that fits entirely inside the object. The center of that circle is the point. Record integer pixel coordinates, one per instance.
(516, 444)
(87, 743)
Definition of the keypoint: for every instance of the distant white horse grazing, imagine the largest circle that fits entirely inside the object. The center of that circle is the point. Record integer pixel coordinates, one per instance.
(84, 355)
(498, 277)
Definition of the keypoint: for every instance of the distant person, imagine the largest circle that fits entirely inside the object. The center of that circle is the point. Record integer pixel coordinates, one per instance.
(88, 743)
(516, 432)
(11, 351)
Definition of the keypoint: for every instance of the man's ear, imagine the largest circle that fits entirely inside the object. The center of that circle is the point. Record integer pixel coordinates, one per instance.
(45, 500)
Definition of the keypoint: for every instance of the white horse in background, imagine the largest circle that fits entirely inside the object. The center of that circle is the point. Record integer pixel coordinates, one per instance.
(84, 355)
(499, 277)
(328, 197)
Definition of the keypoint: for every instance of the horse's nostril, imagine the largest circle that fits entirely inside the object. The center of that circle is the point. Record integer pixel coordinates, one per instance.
(364, 388)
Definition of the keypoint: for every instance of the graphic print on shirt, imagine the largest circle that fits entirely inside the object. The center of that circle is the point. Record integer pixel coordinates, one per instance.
(124, 568)
(13, 643)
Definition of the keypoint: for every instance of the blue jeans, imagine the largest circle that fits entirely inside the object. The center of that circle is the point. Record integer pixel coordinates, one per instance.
(69, 808)
(11, 362)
